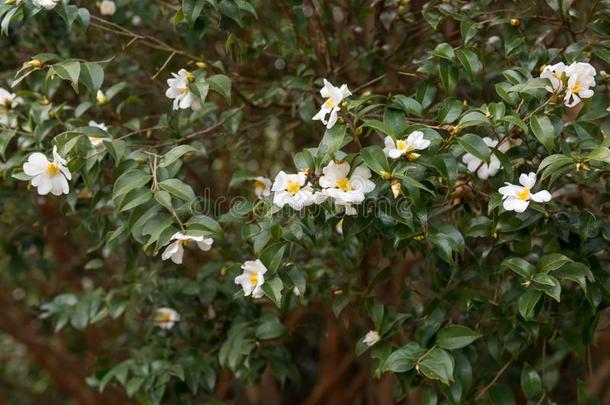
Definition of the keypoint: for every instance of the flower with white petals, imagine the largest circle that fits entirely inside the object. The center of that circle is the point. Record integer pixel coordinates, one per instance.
(107, 7)
(252, 278)
(96, 140)
(345, 190)
(179, 91)
(334, 96)
(581, 77)
(46, 175)
(8, 101)
(415, 141)
(483, 169)
(175, 250)
(46, 4)
(262, 187)
(371, 338)
(292, 189)
(517, 198)
(554, 73)
(165, 318)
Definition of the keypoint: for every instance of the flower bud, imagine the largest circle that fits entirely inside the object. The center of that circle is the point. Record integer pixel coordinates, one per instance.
(395, 187)
(190, 77)
(9, 2)
(385, 175)
(201, 65)
(35, 63)
(515, 22)
(101, 98)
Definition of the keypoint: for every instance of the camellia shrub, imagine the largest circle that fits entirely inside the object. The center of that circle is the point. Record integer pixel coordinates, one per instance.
(337, 202)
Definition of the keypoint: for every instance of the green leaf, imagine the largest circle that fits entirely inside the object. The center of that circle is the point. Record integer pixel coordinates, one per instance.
(530, 86)
(474, 144)
(375, 159)
(273, 290)
(527, 302)
(449, 111)
(178, 188)
(575, 271)
(409, 105)
(381, 127)
(164, 198)
(471, 63)
(520, 266)
(200, 89)
(531, 383)
(449, 76)
(128, 181)
(544, 131)
(552, 261)
(270, 327)
(600, 154)
(468, 29)
(92, 76)
(549, 285)
(438, 364)
(205, 224)
(221, 84)
(472, 119)
(69, 70)
(134, 199)
(191, 10)
(231, 10)
(175, 154)
(332, 140)
(456, 337)
(444, 51)
(404, 358)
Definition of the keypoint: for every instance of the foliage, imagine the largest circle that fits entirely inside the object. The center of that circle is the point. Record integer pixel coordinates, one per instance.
(469, 300)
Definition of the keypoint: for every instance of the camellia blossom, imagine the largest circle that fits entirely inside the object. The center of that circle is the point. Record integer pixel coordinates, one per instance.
(179, 91)
(48, 176)
(46, 4)
(166, 318)
(334, 96)
(252, 278)
(107, 7)
(96, 140)
(483, 169)
(581, 77)
(371, 338)
(175, 250)
(8, 101)
(517, 198)
(555, 75)
(346, 191)
(415, 141)
(262, 187)
(292, 189)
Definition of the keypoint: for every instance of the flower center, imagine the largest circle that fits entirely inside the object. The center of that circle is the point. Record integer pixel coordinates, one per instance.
(329, 103)
(165, 317)
(403, 145)
(185, 242)
(343, 184)
(293, 187)
(524, 194)
(254, 279)
(576, 87)
(53, 169)
(259, 185)
(183, 90)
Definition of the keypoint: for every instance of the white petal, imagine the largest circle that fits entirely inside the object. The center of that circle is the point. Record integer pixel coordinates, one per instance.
(205, 244)
(541, 196)
(528, 180)
(515, 204)
(170, 250)
(332, 119)
(37, 163)
(394, 153)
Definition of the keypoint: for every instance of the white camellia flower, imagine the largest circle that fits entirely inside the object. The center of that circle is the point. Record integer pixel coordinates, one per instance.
(415, 141)
(48, 176)
(483, 169)
(175, 250)
(252, 278)
(517, 198)
(555, 75)
(8, 101)
(334, 96)
(166, 318)
(346, 191)
(107, 7)
(179, 91)
(262, 187)
(96, 140)
(46, 4)
(581, 76)
(292, 189)
(371, 338)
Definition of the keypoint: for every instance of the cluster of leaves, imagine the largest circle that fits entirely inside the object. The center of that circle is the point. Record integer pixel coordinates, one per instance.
(432, 261)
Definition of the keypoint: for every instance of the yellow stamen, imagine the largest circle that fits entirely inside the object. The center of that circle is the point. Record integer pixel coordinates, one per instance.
(413, 156)
(53, 169)
(329, 103)
(293, 187)
(183, 90)
(524, 194)
(254, 279)
(190, 77)
(259, 185)
(576, 88)
(185, 242)
(403, 145)
(343, 184)
(165, 317)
